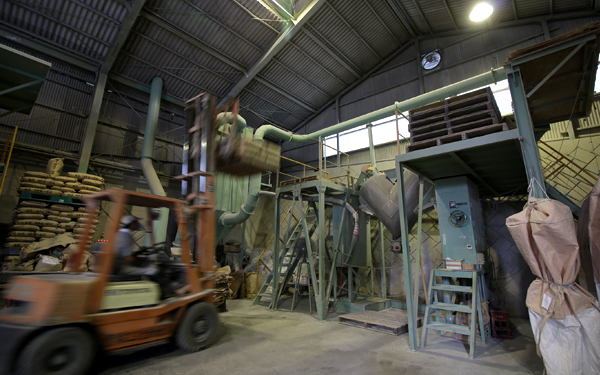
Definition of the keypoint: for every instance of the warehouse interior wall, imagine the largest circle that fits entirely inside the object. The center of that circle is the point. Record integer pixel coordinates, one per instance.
(463, 56)
(22, 161)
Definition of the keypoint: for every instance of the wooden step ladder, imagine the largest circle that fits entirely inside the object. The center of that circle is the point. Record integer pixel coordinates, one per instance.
(448, 305)
(288, 261)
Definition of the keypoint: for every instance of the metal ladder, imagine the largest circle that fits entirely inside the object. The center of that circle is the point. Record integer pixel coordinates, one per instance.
(287, 261)
(448, 306)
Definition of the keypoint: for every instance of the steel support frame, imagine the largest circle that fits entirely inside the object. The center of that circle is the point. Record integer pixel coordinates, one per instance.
(531, 155)
(92, 125)
(408, 282)
(105, 67)
(287, 34)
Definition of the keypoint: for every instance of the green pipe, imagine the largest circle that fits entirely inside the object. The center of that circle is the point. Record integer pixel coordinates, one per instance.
(227, 118)
(248, 207)
(372, 148)
(490, 77)
(156, 188)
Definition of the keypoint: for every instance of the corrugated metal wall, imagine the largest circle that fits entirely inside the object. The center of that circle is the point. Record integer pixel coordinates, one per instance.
(463, 56)
(59, 116)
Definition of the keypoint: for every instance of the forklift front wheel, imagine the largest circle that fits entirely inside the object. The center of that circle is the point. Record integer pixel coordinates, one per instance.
(198, 328)
(65, 351)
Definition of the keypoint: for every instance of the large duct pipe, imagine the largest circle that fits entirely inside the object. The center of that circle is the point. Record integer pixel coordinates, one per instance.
(156, 188)
(490, 77)
(247, 209)
(227, 118)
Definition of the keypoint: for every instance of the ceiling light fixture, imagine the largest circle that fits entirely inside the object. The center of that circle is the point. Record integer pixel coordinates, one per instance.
(481, 12)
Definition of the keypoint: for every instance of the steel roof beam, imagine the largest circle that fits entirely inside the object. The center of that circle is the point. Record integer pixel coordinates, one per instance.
(69, 57)
(514, 7)
(223, 25)
(82, 64)
(106, 66)
(354, 84)
(335, 54)
(381, 21)
(61, 23)
(287, 34)
(176, 30)
(400, 14)
(285, 94)
(126, 81)
(94, 10)
(273, 104)
(317, 63)
(450, 14)
(354, 31)
(264, 117)
(292, 44)
(119, 41)
(301, 77)
(169, 73)
(255, 17)
(423, 17)
(264, 80)
(202, 67)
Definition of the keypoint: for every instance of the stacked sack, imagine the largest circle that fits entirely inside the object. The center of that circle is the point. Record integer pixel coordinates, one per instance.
(73, 185)
(35, 221)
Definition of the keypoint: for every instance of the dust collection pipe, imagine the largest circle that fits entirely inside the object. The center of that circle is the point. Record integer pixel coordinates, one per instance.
(227, 118)
(247, 209)
(490, 77)
(156, 188)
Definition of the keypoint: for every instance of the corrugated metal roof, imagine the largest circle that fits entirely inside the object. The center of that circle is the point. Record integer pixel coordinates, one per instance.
(207, 45)
(86, 27)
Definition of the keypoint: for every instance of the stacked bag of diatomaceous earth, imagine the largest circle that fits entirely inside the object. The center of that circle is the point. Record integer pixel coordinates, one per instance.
(36, 220)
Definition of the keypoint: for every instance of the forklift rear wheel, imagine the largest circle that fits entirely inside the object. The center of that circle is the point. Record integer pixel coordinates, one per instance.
(198, 328)
(65, 351)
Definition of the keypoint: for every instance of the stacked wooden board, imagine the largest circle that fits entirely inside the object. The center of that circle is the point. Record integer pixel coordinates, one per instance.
(458, 118)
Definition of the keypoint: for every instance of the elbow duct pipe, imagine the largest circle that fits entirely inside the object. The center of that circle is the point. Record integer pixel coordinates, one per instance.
(490, 77)
(247, 209)
(227, 118)
(156, 188)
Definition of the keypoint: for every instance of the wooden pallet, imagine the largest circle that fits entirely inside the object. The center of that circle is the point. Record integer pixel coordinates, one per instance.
(391, 321)
(447, 119)
(467, 131)
(456, 125)
(452, 104)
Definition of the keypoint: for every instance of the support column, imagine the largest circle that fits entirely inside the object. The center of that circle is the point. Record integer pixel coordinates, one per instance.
(529, 147)
(156, 188)
(383, 267)
(322, 302)
(92, 124)
(418, 249)
(408, 286)
(276, 235)
(372, 147)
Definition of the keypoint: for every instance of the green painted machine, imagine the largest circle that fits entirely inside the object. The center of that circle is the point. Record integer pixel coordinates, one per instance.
(460, 218)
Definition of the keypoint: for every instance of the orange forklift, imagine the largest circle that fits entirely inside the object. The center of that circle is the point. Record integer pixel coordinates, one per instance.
(58, 323)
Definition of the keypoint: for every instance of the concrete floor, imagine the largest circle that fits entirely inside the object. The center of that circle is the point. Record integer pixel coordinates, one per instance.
(254, 340)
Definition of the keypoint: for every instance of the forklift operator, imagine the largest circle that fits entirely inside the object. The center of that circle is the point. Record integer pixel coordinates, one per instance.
(124, 258)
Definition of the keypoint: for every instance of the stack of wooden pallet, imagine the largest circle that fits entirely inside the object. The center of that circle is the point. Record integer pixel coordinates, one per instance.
(458, 118)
